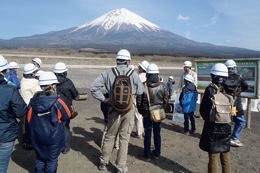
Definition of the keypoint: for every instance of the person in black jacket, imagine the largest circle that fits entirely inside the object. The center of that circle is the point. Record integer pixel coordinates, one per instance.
(12, 106)
(239, 85)
(158, 95)
(68, 89)
(215, 138)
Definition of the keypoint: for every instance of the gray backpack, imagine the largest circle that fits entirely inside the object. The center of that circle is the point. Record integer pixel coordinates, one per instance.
(222, 105)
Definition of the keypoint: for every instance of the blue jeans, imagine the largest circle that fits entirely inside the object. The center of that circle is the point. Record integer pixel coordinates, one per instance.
(5, 154)
(188, 116)
(66, 128)
(239, 125)
(46, 166)
(148, 125)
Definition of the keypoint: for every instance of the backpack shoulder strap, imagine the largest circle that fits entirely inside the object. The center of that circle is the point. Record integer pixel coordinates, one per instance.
(115, 71)
(130, 72)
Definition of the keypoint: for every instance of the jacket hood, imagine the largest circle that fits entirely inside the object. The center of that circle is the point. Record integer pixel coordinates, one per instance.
(61, 80)
(43, 104)
(2, 81)
(153, 85)
(191, 87)
(154, 78)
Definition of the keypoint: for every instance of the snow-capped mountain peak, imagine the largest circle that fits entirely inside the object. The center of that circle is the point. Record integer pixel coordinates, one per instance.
(117, 18)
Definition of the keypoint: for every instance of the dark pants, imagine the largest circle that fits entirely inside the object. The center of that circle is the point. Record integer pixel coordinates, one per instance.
(170, 93)
(66, 127)
(46, 166)
(148, 125)
(188, 116)
(26, 133)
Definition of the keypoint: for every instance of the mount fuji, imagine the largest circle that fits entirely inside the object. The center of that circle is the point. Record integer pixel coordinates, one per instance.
(122, 28)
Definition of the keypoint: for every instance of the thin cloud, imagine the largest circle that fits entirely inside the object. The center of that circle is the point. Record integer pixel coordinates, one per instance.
(213, 21)
(232, 41)
(180, 17)
(187, 34)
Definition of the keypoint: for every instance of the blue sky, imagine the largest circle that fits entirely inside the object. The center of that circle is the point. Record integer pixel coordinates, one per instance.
(233, 23)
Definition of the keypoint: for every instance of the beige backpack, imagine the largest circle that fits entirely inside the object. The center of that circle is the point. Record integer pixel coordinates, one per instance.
(222, 105)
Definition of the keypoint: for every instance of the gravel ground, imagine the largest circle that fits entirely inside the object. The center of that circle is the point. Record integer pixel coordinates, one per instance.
(180, 153)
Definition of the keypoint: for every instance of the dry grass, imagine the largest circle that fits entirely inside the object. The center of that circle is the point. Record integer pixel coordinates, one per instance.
(107, 58)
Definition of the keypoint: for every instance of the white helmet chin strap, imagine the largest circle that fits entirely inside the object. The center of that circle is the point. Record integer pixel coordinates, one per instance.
(1, 73)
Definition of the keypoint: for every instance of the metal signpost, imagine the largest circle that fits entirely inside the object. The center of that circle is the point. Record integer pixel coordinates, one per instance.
(248, 68)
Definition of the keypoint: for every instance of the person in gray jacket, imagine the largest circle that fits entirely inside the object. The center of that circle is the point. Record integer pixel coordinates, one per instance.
(117, 123)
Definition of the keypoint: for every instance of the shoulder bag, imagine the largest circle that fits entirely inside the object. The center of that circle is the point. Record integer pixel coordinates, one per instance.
(156, 115)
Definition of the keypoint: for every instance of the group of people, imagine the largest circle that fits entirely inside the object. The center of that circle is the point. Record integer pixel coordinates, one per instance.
(151, 94)
(44, 114)
(131, 98)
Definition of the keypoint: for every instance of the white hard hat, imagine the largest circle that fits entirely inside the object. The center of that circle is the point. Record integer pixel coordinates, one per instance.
(60, 67)
(170, 77)
(29, 68)
(219, 69)
(123, 54)
(38, 61)
(39, 73)
(3, 63)
(230, 63)
(152, 69)
(13, 65)
(144, 65)
(187, 64)
(48, 78)
(188, 77)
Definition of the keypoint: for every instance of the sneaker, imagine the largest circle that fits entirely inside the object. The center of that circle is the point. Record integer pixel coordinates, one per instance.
(144, 158)
(66, 151)
(140, 137)
(187, 133)
(155, 157)
(236, 143)
(194, 132)
(102, 166)
(120, 170)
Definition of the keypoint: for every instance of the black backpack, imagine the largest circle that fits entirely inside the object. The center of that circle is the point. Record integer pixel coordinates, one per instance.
(122, 98)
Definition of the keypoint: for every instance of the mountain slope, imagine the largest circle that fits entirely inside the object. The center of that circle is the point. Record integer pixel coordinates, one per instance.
(121, 28)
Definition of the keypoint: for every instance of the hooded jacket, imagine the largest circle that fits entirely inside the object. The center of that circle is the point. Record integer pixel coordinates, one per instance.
(12, 106)
(187, 88)
(66, 87)
(158, 98)
(215, 138)
(46, 112)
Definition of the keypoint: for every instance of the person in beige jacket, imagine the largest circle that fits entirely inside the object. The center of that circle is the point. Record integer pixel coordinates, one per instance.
(187, 70)
(29, 86)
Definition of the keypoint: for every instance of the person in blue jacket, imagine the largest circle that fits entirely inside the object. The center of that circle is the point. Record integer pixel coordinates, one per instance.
(12, 106)
(170, 84)
(46, 113)
(12, 74)
(188, 100)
